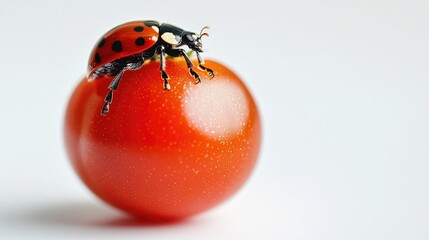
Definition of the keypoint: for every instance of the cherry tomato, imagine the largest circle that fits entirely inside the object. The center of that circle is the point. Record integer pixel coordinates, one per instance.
(164, 154)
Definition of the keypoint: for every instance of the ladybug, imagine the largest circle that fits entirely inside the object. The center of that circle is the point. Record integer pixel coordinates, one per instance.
(127, 46)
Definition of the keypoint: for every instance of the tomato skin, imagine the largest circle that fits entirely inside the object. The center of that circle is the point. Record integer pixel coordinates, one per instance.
(164, 154)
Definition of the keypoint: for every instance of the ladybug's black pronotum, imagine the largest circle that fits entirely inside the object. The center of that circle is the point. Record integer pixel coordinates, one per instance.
(127, 46)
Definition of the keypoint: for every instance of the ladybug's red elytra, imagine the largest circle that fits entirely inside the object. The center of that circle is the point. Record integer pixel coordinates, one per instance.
(127, 46)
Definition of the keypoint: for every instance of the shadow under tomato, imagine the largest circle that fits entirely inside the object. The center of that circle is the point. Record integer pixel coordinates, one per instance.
(92, 215)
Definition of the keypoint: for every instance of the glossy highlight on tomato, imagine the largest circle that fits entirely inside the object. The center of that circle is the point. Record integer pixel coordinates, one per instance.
(164, 154)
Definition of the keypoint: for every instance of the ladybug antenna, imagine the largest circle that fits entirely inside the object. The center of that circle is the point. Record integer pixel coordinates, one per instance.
(203, 34)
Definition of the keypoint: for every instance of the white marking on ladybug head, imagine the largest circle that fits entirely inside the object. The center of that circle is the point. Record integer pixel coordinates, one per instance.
(170, 38)
(156, 29)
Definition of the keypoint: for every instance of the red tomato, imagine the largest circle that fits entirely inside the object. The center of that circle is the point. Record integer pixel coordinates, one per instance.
(164, 154)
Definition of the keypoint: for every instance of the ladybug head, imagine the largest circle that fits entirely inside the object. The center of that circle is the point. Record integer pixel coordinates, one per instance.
(194, 40)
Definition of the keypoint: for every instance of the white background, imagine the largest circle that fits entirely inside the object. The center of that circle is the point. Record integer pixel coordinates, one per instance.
(343, 88)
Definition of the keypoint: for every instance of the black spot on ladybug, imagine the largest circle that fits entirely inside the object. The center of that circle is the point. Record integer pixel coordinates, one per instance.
(150, 23)
(117, 46)
(101, 43)
(97, 58)
(138, 29)
(139, 41)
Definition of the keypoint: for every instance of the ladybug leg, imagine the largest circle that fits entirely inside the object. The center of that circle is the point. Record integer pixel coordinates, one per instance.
(204, 68)
(115, 83)
(109, 97)
(177, 52)
(164, 75)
